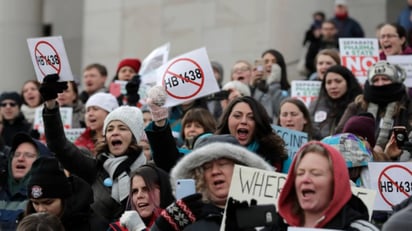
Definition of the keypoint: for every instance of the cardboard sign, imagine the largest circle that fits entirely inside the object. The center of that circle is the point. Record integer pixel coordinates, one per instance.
(252, 183)
(305, 90)
(73, 133)
(147, 72)
(49, 57)
(293, 141)
(358, 54)
(187, 77)
(393, 182)
(66, 115)
(404, 61)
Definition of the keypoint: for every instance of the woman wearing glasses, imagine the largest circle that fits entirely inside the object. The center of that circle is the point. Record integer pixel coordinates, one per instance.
(392, 39)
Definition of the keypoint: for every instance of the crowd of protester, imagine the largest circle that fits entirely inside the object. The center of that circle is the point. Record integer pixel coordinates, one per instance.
(120, 172)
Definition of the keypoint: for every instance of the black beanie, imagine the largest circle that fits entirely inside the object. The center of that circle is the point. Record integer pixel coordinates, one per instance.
(12, 95)
(48, 180)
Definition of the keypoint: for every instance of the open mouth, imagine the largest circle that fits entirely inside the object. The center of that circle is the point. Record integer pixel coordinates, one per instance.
(307, 192)
(243, 132)
(142, 205)
(20, 167)
(116, 143)
(218, 182)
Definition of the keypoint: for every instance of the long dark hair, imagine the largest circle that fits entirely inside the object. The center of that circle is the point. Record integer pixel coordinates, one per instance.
(284, 82)
(271, 146)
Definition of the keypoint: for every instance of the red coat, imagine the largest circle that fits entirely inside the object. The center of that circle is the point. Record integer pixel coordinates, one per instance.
(85, 140)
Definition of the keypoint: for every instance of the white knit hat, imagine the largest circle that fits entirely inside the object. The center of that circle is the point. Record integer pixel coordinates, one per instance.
(129, 115)
(106, 101)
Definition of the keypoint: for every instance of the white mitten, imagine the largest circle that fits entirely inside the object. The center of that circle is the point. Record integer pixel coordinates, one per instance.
(156, 98)
(132, 221)
(275, 74)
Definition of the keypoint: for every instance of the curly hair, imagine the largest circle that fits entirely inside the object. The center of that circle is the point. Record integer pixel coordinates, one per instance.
(271, 145)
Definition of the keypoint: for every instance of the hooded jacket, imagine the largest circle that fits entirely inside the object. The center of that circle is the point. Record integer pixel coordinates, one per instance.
(344, 212)
(212, 215)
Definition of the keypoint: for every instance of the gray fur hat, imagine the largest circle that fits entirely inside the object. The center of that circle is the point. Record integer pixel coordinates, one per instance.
(214, 151)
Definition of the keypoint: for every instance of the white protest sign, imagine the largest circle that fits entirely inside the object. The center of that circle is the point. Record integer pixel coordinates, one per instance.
(73, 133)
(358, 54)
(367, 196)
(252, 183)
(187, 77)
(293, 141)
(49, 57)
(305, 90)
(147, 72)
(66, 115)
(393, 182)
(405, 61)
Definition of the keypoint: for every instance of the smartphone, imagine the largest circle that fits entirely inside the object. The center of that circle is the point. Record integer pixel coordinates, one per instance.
(185, 187)
(256, 216)
(401, 135)
(260, 64)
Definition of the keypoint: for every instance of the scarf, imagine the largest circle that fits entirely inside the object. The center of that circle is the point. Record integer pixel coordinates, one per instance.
(384, 97)
(119, 169)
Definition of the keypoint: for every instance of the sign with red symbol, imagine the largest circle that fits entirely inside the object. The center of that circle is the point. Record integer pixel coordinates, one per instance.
(393, 181)
(49, 57)
(187, 77)
(358, 54)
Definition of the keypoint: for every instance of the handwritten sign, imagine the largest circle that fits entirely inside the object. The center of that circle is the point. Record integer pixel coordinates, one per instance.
(73, 133)
(358, 54)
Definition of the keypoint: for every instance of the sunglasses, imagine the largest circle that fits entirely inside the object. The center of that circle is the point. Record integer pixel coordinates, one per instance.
(11, 104)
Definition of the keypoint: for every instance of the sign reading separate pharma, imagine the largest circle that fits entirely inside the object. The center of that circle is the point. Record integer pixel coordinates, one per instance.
(393, 181)
(358, 54)
(187, 77)
(49, 57)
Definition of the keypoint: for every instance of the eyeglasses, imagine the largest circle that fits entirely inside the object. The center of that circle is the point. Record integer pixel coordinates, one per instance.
(11, 104)
(25, 155)
(389, 36)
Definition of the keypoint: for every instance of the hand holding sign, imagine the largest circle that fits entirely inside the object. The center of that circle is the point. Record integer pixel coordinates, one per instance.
(51, 87)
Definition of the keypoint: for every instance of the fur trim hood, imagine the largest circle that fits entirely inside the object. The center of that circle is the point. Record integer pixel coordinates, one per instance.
(213, 151)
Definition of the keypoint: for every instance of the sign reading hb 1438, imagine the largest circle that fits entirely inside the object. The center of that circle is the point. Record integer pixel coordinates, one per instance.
(49, 57)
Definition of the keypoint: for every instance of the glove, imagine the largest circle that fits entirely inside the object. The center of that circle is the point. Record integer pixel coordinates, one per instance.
(231, 220)
(50, 87)
(131, 88)
(181, 213)
(132, 221)
(156, 98)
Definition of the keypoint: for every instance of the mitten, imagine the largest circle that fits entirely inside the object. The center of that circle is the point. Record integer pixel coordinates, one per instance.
(132, 221)
(156, 98)
(275, 74)
(50, 87)
(181, 213)
(131, 88)
(231, 219)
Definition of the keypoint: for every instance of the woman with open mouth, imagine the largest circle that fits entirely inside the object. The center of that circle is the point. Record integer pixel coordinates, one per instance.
(118, 153)
(393, 40)
(317, 193)
(247, 120)
(150, 193)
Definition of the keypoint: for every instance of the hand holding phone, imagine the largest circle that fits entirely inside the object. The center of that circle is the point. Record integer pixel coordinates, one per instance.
(401, 135)
(185, 187)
